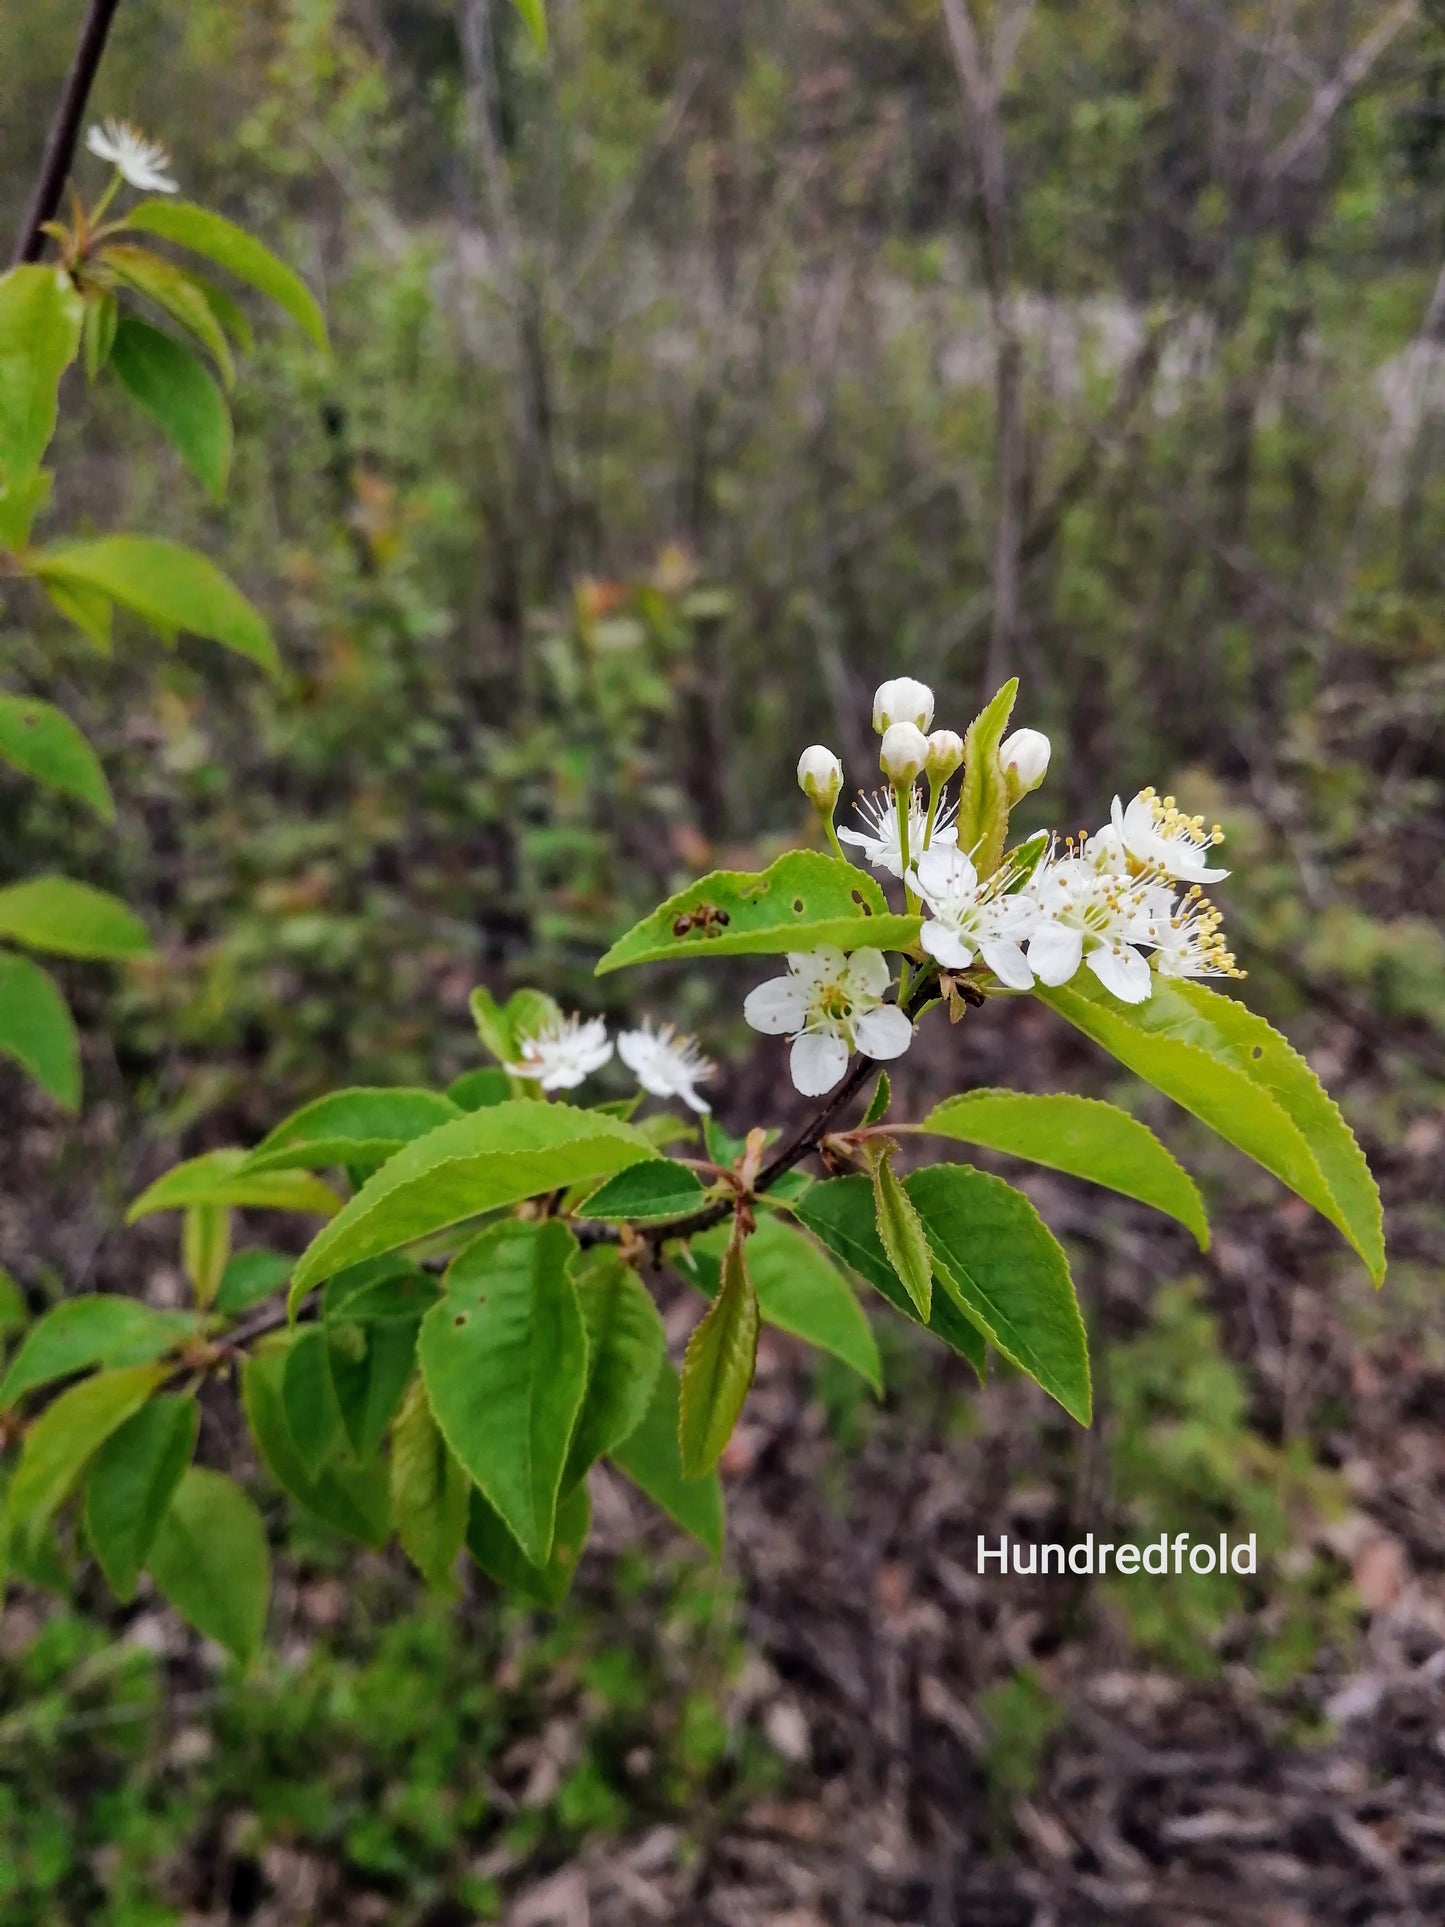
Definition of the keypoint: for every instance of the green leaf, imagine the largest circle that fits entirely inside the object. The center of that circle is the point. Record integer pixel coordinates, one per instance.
(14, 1312)
(651, 1458)
(37, 1030)
(42, 741)
(983, 788)
(371, 1365)
(228, 312)
(502, 1559)
(69, 919)
(429, 1493)
(648, 1193)
(206, 1247)
(211, 1561)
(504, 1356)
(901, 1235)
(239, 253)
(1231, 1070)
(717, 1370)
(102, 318)
(40, 322)
(534, 18)
(1079, 1135)
(992, 1250)
(474, 1164)
(803, 900)
(173, 387)
(220, 1177)
(249, 1277)
(132, 1482)
(95, 1329)
(625, 1346)
(878, 1103)
(477, 1090)
(351, 1499)
(91, 612)
(840, 1214)
(313, 1417)
(171, 587)
(174, 292)
(799, 1291)
(61, 1442)
(380, 1290)
(351, 1127)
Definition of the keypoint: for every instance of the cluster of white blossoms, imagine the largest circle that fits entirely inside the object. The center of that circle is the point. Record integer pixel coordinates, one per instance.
(568, 1049)
(1125, 903)
(139, 161)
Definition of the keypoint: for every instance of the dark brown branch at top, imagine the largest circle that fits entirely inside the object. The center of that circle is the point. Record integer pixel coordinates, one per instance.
(65, 130)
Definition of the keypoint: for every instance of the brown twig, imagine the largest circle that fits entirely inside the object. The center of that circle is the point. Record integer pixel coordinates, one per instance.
(64, 130)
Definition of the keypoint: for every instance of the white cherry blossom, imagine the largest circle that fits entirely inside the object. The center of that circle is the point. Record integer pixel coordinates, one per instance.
(878, 839)
(1158, 835)
(820, 775)
(1189, 941)
(665, 1064)
(830, 1005)
(1087, 914)
(140, 161)
(1024, 758)
(969, 919)
(903, 753)
(563, 1052)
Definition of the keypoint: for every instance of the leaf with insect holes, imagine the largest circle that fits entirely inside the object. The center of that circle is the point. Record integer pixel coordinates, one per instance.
(803, 900)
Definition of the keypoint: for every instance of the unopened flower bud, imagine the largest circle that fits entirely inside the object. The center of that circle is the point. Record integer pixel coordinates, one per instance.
(902, 701)
(820, 777)
(945, 753)
(902, 753)
(1024, 759)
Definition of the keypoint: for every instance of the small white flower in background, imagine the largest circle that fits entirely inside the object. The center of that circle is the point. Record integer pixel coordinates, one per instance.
(563, 1052)
(968, 920)
(945, 753)
(140, 161)
(1024, 759)
(1159, 835)
(820, 776)
(878, 840)
(903, 753)
(665, 1064)
(902, 701)
(1088, 915)
(1190, 941)
(830, 1005)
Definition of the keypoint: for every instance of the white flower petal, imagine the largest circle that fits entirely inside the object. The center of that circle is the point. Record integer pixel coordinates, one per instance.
(778, 1008)
(1009, 964)
(1123, 971)
(1055, 952)
(866, 973)
(817, 1060)
(883, 1033)
(946, 945)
